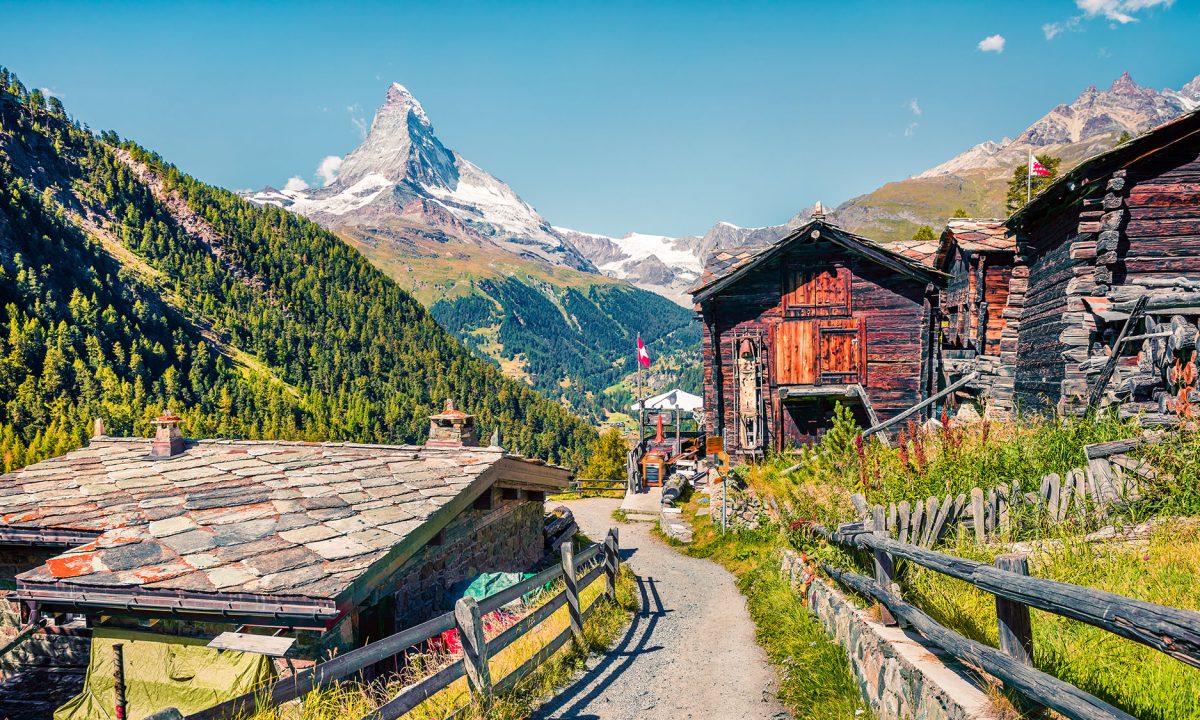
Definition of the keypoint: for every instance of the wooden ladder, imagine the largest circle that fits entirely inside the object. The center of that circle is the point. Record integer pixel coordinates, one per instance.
(1131, 322)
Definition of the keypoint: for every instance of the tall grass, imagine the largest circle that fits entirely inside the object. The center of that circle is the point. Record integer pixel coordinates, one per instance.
(1164, 569)
(918, 464)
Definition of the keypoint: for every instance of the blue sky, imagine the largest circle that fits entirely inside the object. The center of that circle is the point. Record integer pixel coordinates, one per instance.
(607, 117)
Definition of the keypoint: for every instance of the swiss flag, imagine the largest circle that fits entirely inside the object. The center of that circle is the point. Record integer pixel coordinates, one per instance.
(1038, 169)
(643, 356)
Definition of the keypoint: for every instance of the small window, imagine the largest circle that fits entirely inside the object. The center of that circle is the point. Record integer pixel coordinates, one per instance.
(810, 292)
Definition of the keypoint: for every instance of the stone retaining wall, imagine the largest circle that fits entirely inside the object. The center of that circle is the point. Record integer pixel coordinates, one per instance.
(900, 675)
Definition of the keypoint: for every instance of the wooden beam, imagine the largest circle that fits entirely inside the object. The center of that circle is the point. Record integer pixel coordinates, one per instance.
(919, 406)
(1110, 367)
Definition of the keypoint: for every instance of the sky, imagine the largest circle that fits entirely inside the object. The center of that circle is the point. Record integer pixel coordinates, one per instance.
(656, 117)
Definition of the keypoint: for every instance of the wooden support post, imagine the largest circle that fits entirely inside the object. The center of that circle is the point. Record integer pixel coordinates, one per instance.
(612, 562)
(572, 583)
(885, 567)
(119, 681)
(474, 645)
(1016, 634)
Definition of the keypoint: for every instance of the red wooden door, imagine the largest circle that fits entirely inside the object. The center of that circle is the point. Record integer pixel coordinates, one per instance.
(839, 352)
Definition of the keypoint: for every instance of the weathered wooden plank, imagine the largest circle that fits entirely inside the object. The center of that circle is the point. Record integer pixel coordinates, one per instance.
(918, 515)
(977, 514)
(1014, 630)
(1034, 684)
(931, 512)
(1170, 630)
(940, 525)
(1003, 520)
(905, 517)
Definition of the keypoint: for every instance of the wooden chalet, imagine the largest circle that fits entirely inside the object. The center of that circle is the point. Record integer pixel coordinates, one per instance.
(1112, 255)
(821, 316)
(979, 256)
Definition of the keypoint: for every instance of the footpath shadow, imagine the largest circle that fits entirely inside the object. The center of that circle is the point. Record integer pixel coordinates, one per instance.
(572, 701)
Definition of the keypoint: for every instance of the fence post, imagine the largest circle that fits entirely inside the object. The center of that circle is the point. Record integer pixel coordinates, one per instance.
(119, 680)
(612, 561)
(474, 646)
(885, 567)
(572, 583)
(1016, 634)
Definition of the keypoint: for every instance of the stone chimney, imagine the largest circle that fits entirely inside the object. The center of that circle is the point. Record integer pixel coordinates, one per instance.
(452, 428)
(168, 441)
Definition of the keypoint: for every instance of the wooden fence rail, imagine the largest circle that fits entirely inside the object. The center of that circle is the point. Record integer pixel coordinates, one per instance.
(1172, 631)
(603, 558)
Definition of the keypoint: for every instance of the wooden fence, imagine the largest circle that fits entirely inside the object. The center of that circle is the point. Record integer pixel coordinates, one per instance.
(588, 487)
(1170, 630)
(598, 559)
(1110, 478)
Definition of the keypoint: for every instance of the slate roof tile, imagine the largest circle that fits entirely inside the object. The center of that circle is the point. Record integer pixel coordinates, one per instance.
(250, 517)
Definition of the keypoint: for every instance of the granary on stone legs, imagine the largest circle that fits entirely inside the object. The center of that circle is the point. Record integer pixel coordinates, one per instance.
(332, 543)
(822, 316)
(1112, 259)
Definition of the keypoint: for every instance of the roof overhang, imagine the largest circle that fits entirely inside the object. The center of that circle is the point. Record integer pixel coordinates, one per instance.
(45, 537)
(825, 231)
(292, 611)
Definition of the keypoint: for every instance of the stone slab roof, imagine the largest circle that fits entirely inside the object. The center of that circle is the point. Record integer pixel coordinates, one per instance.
(981, 235)
(923, 251)
(271, 519)
(723, 262)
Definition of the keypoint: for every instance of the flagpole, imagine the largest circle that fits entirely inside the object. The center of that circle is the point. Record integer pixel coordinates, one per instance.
(1029, 178)
(641, 404)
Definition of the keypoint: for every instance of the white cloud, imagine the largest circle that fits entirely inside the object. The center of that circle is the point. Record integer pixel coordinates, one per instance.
(992, 43)
(1119, 11)
(327, 170)
(358, 120)
(914, 106)
(911, 129)
(295, 184)
(51, 94)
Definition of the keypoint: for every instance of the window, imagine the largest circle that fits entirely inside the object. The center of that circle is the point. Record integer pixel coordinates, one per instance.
(818, 292)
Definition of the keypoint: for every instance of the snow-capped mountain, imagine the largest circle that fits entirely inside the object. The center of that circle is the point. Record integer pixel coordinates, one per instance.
(403, 172)
(1124, 107)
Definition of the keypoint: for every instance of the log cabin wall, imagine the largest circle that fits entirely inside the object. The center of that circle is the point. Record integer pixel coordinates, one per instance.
(879, 333)
(1051, 324)
(1122, 226)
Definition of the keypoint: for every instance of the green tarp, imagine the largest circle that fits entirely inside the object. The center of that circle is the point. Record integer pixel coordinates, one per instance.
(162, 672)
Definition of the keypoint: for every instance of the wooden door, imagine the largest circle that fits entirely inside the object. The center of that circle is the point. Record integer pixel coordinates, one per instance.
(839, 352)
(816, 292)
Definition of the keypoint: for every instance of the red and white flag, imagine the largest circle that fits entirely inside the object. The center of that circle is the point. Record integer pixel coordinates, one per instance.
(1038, 169)
(643, 356)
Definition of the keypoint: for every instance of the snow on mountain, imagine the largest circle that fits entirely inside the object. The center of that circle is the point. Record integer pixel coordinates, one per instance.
(1124, 107)
(403, 171)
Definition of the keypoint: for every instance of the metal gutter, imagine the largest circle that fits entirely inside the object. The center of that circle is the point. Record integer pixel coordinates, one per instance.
(291, 611)
(48, 537)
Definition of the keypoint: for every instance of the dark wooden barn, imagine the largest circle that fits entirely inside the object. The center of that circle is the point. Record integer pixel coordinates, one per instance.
(1112, 252)
(979, 256)
(820, 316)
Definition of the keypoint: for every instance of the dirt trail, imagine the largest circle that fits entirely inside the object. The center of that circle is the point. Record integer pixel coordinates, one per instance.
(690, 652)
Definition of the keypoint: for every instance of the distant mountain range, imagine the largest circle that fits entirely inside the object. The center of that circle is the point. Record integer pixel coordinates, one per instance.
(975, 181)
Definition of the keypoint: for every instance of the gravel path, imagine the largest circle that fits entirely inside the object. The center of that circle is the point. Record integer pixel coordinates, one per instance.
(690, 652)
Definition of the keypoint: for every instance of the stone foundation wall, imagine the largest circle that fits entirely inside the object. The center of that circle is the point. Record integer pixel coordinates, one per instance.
(51, 646)
(744, 509)
(507, 538)
(900, 675)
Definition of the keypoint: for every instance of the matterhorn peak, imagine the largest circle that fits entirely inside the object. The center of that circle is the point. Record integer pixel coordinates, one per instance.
(399, 97)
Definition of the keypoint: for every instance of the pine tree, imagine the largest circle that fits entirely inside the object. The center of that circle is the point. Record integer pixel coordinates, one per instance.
(1017, 188)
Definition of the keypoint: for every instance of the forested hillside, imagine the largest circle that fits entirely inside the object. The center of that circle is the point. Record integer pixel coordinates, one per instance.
(569, 341)
(127, 286)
